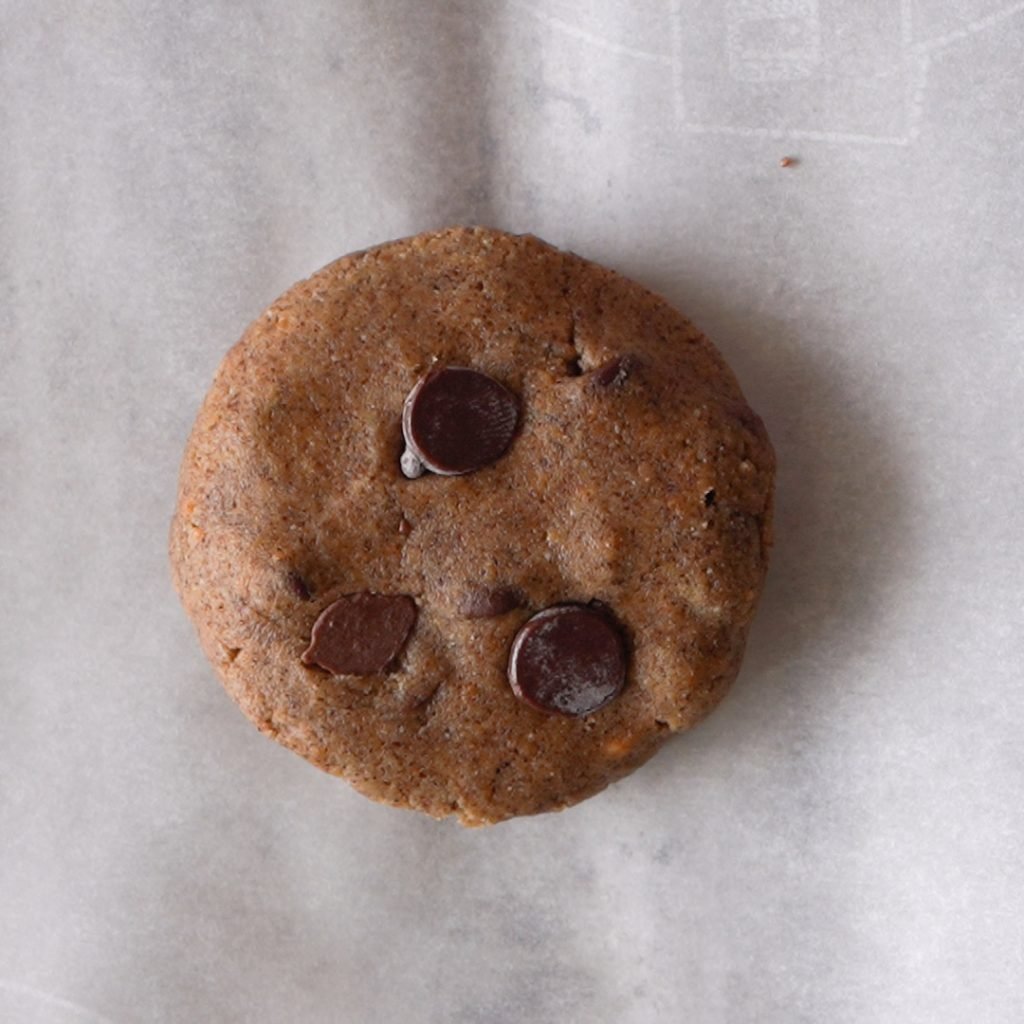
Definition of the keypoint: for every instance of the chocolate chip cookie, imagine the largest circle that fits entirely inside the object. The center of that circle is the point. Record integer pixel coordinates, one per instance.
(473, 523)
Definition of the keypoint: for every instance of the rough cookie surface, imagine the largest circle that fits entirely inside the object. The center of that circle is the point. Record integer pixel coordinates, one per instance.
(638, 477)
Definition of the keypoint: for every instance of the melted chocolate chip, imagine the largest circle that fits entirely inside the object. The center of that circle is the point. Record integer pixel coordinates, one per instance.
(360, 634)
(614, 372)
(569, 659)
(480, 602)
(455, 421)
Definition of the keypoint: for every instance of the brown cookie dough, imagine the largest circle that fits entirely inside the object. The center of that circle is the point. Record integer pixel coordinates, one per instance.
(365, 617)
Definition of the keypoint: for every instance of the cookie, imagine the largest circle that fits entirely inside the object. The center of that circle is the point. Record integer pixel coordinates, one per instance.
(473, 523)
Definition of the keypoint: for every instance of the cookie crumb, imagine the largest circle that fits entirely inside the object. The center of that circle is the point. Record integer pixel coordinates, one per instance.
(788, 161)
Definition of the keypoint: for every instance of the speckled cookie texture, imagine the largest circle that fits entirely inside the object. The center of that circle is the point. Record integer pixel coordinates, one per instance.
(638, 483)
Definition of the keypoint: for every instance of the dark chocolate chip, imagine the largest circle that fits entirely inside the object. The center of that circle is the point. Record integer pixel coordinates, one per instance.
(614, 372)
(457, 420)
(569, 659)
(709, 498)
(480, 602)
(360, 634)
(298, 586)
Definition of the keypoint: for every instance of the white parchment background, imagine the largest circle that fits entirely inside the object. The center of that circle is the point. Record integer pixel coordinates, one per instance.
(842, 841)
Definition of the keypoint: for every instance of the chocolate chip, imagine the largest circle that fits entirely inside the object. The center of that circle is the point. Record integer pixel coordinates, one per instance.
(709, 498)
(480, 602)
(298, 586)
(569, 659)
(614, 372)
(455, 421)
(360, 634)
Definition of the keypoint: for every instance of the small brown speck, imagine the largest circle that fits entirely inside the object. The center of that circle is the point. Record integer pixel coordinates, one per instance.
(482, 602)
(788, 161)
(614, 372)
(298, 586)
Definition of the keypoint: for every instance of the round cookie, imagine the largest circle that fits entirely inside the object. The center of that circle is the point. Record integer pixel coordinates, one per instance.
(389, 626)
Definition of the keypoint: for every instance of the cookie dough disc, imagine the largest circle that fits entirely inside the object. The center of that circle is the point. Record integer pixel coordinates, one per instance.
(365, 619)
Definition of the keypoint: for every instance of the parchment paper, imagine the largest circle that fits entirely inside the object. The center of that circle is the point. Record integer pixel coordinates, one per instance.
(842, 840)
